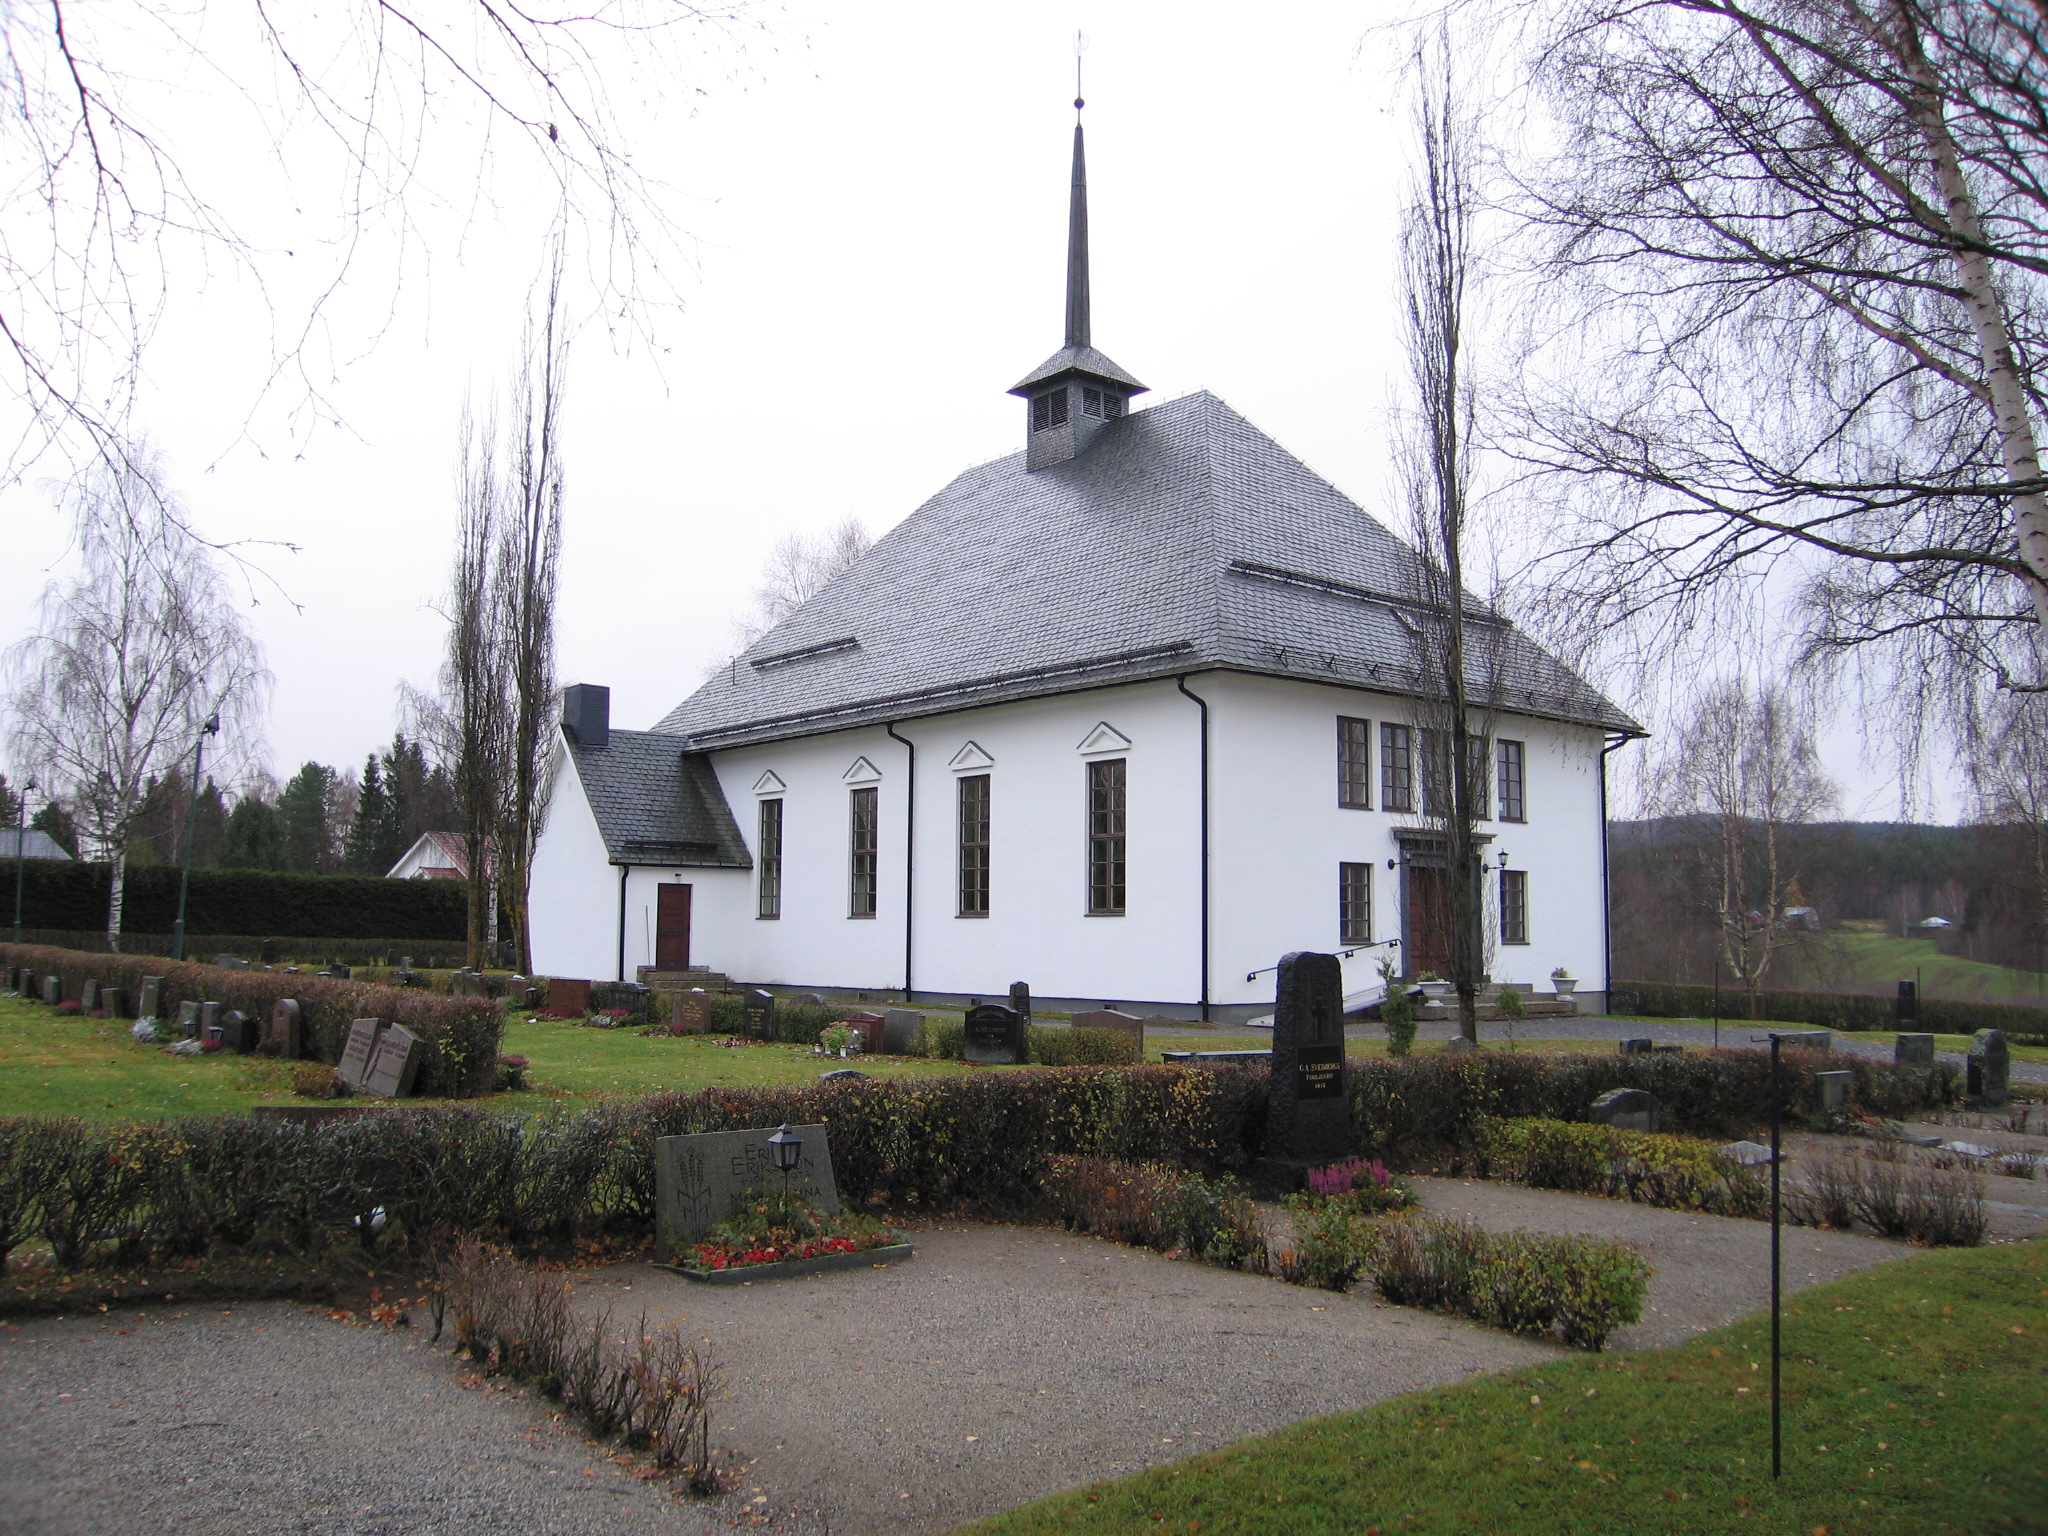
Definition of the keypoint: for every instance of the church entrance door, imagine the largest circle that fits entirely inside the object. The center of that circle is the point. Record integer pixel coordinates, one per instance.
(672, 928)
(1426, 923)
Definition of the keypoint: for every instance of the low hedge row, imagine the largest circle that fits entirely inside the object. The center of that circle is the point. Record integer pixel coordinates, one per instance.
(461, 1034)
(433, 954)
(74, 896)
(1847, 1011)
(1678, 1173)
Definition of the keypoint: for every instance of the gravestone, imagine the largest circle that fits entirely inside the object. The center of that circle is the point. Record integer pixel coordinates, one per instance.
(568, 996)
(1807, 1039)
(1020, 1000)
(808, 1000)
(757, 1013)
(1988, 1068)
(868, 1026)
(150, 1004)
(1636, 1045)
(287, 1031)
(356, 1054)
(12, 978)
(393, 959)
(89, 996)
(1108, 1018)
(901, 1028)
(53, 990)
(1628, 1109)
(209, 1015)
(338, 971)
(394, 1064)
(1458, 1045)
(271, 952)
(113, 1002)
(231, 962)
(1906, 1008)
(689, 1013)
(238, 1031)
(844, 1075)
(188, 1019)
(698, 1179)
(1913, 1050)
(1832, 1088)
(1308, 1121)
(994, 1036)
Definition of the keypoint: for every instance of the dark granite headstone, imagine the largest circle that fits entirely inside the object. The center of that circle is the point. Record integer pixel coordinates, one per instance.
(689, 1013)
(1988, 1068)
(1020, 1000)
(994, 1036)
(757, 1010)
(338, 971)
(394, 1064)
(271, 952)
(868, 1026)
(356, 1054)
(89, 996)
(1832, 1088)
(1628, 1109)
(1913, 1050)
(1308, 1121)
(393, 959)
(151, 1003)
(901, 1030)
(1906, 1008)
(1636, 1045)
(567, 996)
(238, 1031)
(1807, 1039)
(287, 1031)
(698, 1179)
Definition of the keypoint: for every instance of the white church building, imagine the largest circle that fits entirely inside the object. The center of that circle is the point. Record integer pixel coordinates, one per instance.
(1126, 716)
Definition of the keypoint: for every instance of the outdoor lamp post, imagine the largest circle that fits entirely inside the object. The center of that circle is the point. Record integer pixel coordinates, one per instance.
(211, 728)
(20, 848)
(787, 1148)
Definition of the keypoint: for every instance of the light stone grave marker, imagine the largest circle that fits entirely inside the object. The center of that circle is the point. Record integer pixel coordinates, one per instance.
(698, 1179)
(1911, 1050)
(900, 1030)
(1988, 1068)
(287, 1031)
(150, 1004)
(395, 1064)
(356, 1053)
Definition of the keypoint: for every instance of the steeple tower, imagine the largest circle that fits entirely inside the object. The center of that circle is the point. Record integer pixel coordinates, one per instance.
(1077, 391)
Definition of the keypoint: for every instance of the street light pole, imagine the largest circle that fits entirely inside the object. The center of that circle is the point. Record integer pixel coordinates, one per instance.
(21, 849)
(212, 728)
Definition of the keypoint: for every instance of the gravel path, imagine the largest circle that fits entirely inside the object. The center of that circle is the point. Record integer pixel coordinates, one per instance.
(271, 1418)
(1710, 1270)
(1005, 1363)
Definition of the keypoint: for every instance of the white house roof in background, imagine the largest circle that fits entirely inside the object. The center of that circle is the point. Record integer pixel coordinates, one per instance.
(30, 845)
(1182, 539)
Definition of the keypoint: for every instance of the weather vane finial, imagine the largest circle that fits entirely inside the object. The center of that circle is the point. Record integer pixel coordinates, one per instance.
(1080, 47)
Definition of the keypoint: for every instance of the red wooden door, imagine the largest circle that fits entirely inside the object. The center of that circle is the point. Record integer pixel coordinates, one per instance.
(1426, 939)
(672, 928)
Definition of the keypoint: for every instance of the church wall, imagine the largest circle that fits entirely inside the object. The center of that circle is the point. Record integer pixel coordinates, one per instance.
(575, 891)
(1279, 835)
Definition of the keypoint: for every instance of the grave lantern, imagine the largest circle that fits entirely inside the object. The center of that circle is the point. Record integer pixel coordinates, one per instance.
(787, 1148)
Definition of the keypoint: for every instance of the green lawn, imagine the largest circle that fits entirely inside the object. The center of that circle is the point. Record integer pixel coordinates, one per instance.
(1877, 962)
(1915, 1395)
(1736, 1031)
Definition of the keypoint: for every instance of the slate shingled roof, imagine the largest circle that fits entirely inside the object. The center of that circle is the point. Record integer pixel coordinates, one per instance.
(656, 803)
(1182, 539)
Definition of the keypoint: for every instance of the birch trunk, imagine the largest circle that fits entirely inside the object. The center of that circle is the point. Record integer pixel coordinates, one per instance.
(117, 895)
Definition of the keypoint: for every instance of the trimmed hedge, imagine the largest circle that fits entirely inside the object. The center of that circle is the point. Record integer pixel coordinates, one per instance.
(427, 954)
(1845, 1011)
(74, 897)
(1676, 1172)
(461, 1034)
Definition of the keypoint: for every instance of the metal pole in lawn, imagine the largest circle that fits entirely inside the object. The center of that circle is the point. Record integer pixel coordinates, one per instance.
(211, 728)
(1777, 1411)
(1717, 1002)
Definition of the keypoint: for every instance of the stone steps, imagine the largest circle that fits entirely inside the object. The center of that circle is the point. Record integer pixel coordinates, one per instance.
(671, 981)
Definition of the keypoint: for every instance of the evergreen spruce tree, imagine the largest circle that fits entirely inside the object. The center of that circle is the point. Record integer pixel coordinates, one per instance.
(255, 837)
(303, 808)
(366, 834)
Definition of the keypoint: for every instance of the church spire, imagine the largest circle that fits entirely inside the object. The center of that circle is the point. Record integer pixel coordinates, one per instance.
(1077, 391)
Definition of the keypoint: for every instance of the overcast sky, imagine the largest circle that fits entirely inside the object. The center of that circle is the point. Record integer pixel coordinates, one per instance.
(874, 197)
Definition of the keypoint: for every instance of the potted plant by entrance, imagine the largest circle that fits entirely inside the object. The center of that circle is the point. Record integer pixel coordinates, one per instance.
(1563, 982)
(1433, 986)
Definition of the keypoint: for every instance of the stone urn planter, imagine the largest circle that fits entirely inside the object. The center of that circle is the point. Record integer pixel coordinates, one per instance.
(1564, 985)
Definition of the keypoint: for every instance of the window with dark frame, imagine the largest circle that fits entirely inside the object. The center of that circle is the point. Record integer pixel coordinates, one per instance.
(865, 840)
(768, 860)
(1514, 906)
(1354, 903)
(1397, 768)
(1511, 759)
(1106, 838)
(1436, 774)
(1049, 410)
(1354, 763)
(974, 845)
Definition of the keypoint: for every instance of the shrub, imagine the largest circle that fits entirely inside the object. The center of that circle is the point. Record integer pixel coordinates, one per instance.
(1847, 1011)
(1676, 1172)
(247, 901)
(1398, 1014)
(460, 1034)
(1329, 1244)
(1362, 1185)
(1938, 1207)
(772, 1223)
(1050, 1047)
(1148, 1206)
(319, 1082)
(1583, 1288)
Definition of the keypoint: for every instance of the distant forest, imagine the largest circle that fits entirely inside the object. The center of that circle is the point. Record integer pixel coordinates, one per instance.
(1985, 880)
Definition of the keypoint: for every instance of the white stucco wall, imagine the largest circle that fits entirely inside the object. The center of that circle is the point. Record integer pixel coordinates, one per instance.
(574, 896)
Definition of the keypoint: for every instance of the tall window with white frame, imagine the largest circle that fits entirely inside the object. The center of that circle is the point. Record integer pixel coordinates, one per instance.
(1354, 903)
(1514, 906)
(1354, 763)
(1106, 838)
(974, 845)
(1511, 759)
(768, 860)
(864, 843)
(1397, 768)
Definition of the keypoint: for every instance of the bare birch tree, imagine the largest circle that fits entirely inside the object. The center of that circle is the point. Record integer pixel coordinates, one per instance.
(1800, 248)
(1437, 448)
(129, 661)
(1744, 768)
